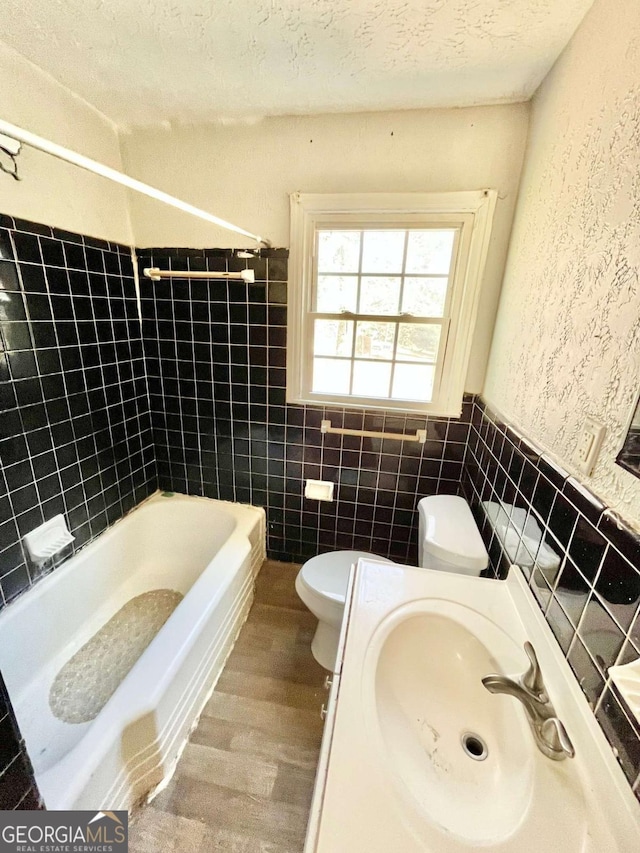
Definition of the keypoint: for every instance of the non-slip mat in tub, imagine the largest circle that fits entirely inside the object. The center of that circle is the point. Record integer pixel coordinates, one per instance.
(88, 680)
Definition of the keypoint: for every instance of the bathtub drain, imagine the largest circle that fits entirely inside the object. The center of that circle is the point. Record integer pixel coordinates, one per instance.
(474, 746)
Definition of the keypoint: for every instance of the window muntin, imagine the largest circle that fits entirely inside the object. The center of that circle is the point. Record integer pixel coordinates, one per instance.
(380, 311)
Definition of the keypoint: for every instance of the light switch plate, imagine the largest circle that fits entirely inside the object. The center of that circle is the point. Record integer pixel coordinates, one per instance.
(589, 444)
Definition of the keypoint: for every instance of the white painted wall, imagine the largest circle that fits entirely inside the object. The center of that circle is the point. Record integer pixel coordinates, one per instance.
(53, 192)
(567, 340)
(245, 174)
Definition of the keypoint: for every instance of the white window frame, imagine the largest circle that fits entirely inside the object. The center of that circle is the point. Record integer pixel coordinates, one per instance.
(471, 212)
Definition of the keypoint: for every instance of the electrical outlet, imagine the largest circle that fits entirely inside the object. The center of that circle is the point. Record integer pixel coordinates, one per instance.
(589, 443)
(585, 443)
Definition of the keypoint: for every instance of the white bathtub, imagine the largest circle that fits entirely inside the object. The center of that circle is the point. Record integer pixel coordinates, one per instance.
(208, 550)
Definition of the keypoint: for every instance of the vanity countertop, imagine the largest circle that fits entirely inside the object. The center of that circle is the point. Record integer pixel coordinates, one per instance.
(396, 771)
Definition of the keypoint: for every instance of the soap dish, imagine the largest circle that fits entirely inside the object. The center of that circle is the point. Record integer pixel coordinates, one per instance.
(627, 679)
(48, 539)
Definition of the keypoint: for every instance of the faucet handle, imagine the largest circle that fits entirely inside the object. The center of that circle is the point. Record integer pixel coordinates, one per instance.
(532, 679)
(555, 736)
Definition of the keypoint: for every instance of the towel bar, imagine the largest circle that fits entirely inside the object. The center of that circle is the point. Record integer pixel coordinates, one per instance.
(420, 434)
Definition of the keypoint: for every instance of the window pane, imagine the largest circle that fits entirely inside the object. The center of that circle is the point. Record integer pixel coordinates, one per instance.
(430, 251)
(413, 382)
(331, 376)
(417, 342)
(375, 340)
(371, 379)
(333, 337)
(425, 297)
(383, 251)
(337, 293)
(338, 251)
(379, 295)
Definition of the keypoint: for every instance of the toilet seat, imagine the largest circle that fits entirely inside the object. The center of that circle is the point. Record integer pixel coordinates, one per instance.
(328, 574)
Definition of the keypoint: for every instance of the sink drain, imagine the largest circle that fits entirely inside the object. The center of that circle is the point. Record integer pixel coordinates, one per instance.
(474, 746)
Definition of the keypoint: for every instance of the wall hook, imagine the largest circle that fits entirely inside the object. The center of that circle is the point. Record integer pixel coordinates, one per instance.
(11, 147)
(8, 171)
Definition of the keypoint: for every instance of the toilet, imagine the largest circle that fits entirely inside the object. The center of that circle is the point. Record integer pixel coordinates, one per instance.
(449, 541)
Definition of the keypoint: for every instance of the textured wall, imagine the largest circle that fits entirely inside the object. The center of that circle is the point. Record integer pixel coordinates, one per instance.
(567, 340)
(52, 191)
(245, 174)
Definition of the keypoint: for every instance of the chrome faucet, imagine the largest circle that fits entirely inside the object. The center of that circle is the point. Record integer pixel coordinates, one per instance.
(549, 732)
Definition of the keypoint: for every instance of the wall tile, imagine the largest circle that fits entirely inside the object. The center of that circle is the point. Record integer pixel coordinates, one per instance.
(583, 565)
(75, 429)
(216, 360)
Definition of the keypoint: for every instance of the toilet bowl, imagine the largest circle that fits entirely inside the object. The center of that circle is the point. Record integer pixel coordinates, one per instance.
(322, 585)
(448, 541)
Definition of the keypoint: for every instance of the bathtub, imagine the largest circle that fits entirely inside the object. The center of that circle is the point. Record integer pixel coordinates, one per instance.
(210, 551)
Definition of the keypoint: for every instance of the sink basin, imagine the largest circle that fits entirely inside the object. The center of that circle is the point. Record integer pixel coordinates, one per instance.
(419, 757)
(461, 758)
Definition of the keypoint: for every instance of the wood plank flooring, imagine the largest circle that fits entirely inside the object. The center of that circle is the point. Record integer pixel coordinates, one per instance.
(245, 779)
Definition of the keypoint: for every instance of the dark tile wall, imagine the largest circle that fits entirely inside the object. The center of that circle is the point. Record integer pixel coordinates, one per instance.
(216, 357)
(582, 562)
(17, 788)
(75, 432)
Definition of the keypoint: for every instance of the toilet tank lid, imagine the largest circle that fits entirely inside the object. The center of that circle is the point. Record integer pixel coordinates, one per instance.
(451, 533)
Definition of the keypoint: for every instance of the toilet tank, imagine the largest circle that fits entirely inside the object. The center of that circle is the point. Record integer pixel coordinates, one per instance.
(449, 539)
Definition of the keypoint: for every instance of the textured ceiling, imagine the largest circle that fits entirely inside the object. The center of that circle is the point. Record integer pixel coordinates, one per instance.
(151, 61)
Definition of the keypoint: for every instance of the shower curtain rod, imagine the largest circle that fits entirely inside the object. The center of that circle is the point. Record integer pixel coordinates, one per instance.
(42, 144)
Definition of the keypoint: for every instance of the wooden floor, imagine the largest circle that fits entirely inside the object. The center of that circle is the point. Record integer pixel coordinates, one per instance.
(244, 782)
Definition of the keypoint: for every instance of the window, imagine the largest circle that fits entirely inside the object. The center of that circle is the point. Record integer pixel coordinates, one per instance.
(383, 296)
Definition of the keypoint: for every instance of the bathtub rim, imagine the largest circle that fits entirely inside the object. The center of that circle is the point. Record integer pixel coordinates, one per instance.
(13, 608)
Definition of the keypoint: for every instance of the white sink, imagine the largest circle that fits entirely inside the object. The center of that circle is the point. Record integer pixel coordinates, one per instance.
(396, 776)
(463, 759)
